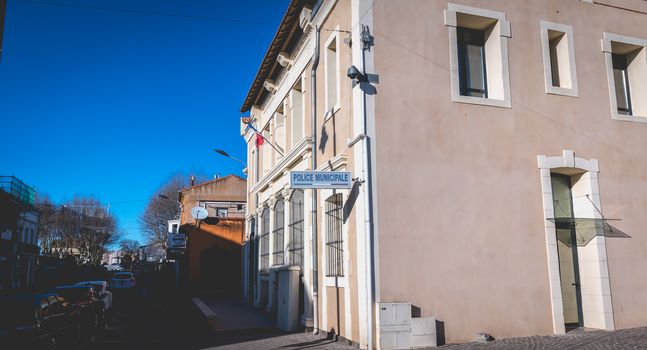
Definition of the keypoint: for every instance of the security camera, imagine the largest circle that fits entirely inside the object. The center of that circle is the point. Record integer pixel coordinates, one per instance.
(354, 73)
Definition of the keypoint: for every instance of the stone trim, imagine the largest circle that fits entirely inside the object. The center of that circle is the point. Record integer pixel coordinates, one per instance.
(545, 47)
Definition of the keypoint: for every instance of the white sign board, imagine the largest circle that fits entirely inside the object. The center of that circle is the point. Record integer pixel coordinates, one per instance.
(320, 179)
(176, 241)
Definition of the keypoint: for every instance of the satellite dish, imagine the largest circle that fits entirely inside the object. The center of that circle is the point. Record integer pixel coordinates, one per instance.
(199, 213)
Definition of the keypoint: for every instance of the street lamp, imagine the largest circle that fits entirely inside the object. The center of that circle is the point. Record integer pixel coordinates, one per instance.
(225, 154)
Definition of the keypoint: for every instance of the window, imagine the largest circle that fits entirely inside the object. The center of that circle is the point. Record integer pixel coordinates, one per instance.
(478, 55)
(266, 151)
(621, 83)
(279, 220)
(296, 229)
(265, 241)
(221, 212)
(174, 228)
(560, 76)
(471, 62)
(332, 73)
(296, 113)
(279, 132)
(334, 239)
(626, 60)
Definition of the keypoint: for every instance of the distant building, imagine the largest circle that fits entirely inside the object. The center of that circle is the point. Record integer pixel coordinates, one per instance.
(213, 259)
(153, 252)
(19, 221)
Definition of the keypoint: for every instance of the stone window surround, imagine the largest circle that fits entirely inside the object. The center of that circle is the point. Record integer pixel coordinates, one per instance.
(333, 37)
(451, 21)
(545, 46)
(607, 38)
(571, 165)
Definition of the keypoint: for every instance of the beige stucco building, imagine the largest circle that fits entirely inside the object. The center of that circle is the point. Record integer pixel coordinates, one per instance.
(489, 142)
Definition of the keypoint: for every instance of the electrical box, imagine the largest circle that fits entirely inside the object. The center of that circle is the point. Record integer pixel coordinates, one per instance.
(399, 330)
(288, 298)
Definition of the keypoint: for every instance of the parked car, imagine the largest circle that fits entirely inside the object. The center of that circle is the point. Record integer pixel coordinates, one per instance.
(114, 267)
(122, 280)
(90, 307)
(101, 287)
(35, 321)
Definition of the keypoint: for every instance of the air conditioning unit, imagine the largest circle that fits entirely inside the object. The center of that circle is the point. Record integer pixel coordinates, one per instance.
(399, 330)
(288, 298)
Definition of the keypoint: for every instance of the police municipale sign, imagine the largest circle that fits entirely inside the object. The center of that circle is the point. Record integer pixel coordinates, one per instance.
(320, 179)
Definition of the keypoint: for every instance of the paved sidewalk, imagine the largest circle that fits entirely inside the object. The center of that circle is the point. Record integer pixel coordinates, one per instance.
(238, 326)
(626, 339)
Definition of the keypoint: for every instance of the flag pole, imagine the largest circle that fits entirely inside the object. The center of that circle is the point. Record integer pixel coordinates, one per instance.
(249, 125)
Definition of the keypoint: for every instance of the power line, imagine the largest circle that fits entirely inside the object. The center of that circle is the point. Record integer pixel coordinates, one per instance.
(153, 13)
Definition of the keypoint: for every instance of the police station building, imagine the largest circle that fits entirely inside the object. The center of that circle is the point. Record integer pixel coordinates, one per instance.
(423, 171)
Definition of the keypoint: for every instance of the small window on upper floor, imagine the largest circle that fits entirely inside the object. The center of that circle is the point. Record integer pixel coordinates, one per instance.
(279, 132)
(478, 49)
(296, 113)
(560, 76)
(626, 60)
(332, 73)
(471, 62)
(621, 83)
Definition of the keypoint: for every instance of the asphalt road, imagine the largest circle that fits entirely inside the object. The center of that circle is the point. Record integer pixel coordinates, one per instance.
(138, 322)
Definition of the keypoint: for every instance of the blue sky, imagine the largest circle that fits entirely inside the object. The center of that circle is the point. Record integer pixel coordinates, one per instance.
(112, 103)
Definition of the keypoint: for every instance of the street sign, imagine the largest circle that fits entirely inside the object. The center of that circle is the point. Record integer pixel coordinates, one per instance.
(320, 179)
(176, 241)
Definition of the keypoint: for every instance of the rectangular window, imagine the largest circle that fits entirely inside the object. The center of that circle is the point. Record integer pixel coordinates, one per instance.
(279, 133)
(559, 59)
(478, 49)
(265, 241)
(296, 112)
(621, 82)
(626, 63)
(334, 239)
(296, 229)
(279, 241)
(331, 56)
(471, 62)
(221, 212)
(266, 151)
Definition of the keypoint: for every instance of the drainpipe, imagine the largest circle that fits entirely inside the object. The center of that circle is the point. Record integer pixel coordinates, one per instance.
(313, 151)
(368, 197)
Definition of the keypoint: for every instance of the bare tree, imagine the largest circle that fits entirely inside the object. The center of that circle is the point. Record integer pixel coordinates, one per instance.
(80, 227)
(161, 207)
(129, 246)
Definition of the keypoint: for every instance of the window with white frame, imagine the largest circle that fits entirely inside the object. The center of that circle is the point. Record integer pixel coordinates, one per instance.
(560, 76)
(296, 113)
(279, 221)
(266, 151)
(331, 57)
(265, 241)
(626, 62)
(478, 55)
(279, 132)
(334, 235)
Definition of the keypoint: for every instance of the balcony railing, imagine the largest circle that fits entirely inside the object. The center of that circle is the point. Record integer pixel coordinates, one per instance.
(17, 189)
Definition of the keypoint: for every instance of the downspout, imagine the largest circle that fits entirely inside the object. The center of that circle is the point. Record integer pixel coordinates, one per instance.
(313, 151)
(368, 197)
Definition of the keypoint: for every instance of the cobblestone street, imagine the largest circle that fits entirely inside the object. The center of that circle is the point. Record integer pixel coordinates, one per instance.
(635, 338)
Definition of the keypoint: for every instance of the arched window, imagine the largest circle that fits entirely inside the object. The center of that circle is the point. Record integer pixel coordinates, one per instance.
(265, 240)
(296, 229)
(279, 222)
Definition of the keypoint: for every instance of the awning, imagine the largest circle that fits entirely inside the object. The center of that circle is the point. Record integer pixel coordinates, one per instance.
(586, 229)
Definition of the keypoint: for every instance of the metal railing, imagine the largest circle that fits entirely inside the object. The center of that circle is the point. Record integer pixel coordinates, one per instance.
(18, 189)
